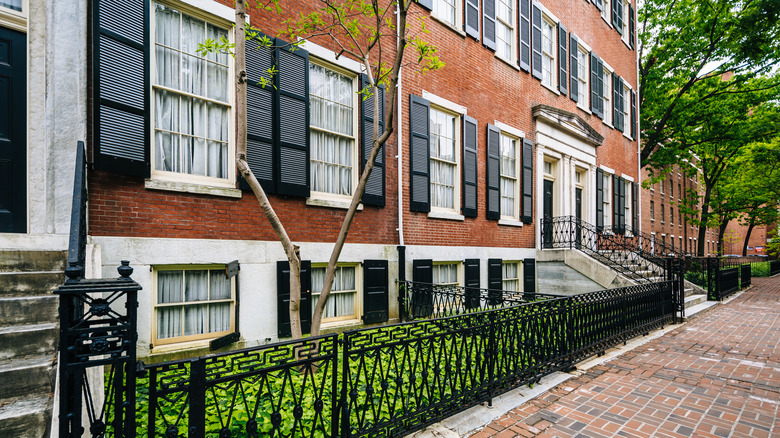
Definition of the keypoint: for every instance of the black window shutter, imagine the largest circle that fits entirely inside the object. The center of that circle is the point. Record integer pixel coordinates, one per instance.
(615, 203)
(375, 292)
(489, 24)
(495, 281)
(536, 41)
(293, 127)
(261, 117)
(621, 104)
(120, 48)
(623, 205)
(529, 276)
(283, 298)
(600, 91)
(419, 158)
(527, 207)
(617, 15)
(524, 37)
(472, 19)
(635, 207)
(562, 57)
(599, 199)
(594, 84)
(471, 281)
(493, 175)
(427, 4)
(375, 186)
(617, 109)
(470, 162)
(574, 83)
(633, 115)
(422, 299)
(631, 26)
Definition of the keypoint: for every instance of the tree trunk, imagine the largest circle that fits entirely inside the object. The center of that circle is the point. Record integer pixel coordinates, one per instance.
(721, 234)
(292, 251)
(747, 236)
(705, 216)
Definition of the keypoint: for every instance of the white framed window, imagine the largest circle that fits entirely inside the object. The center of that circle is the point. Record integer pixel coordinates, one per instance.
(192, 303)
(627, 111)
(344, 301)
(625, 21)
(505, 30)
(607, 96)
(663, 214)
(192, 110)
(652, 211)
(549, 50)
(333, 131)
(446, 273)
(14, 5)
(510, 276)
(628, 207)
(510, 181)
(447, 11)
(583, 77)
(548, 169)
(606, 10)
(445, 160)
(607, 200)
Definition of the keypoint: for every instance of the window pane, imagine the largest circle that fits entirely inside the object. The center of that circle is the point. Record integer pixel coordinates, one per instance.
(168, 322)
(169, 287)
(195, 318)
(196, 286)
(341, 302)
(219, 285)
(12, 4)
(219, 317)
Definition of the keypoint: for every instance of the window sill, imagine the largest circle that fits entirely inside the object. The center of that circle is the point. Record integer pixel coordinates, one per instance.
(180, 346)
(609, 125)
(173, 186)
(628, 136)
(551, 88)
(584, 109)
(510, 222)
(449, 25)
(508, 62)
(446, 215)
(331, 203)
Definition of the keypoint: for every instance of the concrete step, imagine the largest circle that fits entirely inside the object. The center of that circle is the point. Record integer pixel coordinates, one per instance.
(28, 310)
(694, 300)
(29, 283)
(699, 309)
(26, 416)
(27, 261)
(25, 377)
(28, 340)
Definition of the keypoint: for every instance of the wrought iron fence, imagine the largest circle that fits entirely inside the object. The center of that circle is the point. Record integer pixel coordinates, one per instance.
(425, 301)
(632, 255)
(728, 282)
(745, 276)
(774, 267)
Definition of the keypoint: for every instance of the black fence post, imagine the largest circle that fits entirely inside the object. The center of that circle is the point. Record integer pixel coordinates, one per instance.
(345, 378)
(197, 424)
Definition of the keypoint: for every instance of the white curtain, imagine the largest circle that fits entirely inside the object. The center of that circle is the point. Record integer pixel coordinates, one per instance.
(166, 111)
(219, 313)
(169, 290)
(507, 197)
(196, 288)
(342, 298)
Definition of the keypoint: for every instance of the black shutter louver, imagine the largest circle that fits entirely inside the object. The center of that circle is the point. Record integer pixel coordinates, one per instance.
(527, 207)
(471, 281)
(470, 162)
(472, 19)
(563, 55)
(600, 91)
(633, 115)
(524, 37)
(422, 299)
(489, 24)
(621, 105)
(121, 51)
(293, 127)
(616, 204)
(493, 176)
(427, 4)
(536, 41)
(374, 193)
(635, 207)
(617, 109)
(419, 158)
(594, 84)
(623, 223)
(631, 26)
(574, 83)
(375, 292)
(283, 298)
(617, 15)
(260, 104)
(529, 277)
(599, 199)
(495, 281)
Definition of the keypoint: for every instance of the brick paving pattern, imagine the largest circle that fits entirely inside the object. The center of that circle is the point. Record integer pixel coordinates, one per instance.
(716, 376)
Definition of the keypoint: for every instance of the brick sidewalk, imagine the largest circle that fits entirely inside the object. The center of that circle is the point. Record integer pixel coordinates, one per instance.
(717, 376)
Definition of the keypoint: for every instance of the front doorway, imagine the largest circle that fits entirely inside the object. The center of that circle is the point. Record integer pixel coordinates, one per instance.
(547, 212)
(13, 132)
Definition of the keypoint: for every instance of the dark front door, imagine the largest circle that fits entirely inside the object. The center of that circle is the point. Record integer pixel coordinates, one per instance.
(547, 211)
(578, 215)
(13, 148)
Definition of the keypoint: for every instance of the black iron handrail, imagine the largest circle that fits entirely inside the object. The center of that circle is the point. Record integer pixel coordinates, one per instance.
(77, 242)
(625, 253)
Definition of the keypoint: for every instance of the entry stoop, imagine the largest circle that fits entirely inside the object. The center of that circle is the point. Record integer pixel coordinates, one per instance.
(28, 339)
(696, 303)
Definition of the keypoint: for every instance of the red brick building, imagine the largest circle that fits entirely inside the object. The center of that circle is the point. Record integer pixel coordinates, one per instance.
(534, 114)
